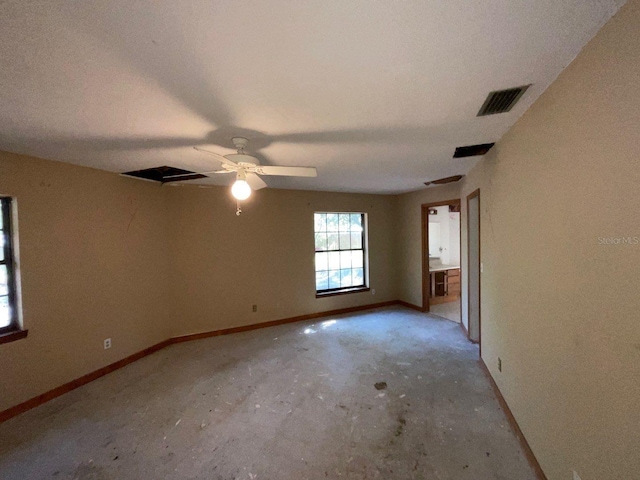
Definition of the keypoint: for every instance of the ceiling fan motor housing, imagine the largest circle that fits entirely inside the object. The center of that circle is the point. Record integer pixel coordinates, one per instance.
(243, 159)
(240, 142)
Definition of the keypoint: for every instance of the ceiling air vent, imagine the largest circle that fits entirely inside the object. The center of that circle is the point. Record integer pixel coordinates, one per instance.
(472, 150)
(160, 174)
(502, 101)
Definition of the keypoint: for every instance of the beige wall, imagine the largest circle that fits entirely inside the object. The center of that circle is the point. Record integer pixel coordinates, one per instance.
(106, 256)
(558, 307)
(93, 265)
(224, 264)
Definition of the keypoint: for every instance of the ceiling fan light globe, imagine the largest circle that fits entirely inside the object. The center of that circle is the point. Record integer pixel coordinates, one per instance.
(241, 190)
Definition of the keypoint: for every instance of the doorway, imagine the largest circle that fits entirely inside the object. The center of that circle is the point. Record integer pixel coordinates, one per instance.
(475, 267)
(441, 259)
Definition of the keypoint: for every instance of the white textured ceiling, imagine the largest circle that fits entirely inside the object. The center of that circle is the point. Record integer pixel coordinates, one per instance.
(375, 94)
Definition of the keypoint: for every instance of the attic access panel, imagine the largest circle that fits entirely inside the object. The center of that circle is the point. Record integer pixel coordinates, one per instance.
(472, 150)
(442, 181)
(160, 174)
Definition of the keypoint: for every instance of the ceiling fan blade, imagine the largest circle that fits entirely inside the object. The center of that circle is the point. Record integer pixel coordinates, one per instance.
(287, 171)
(220, 158)
(255, 182)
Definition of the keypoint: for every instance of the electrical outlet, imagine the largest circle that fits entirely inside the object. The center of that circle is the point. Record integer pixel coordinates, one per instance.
(576, 476)
(499, 364)
(255, 308)
(373, 291)
(107, 343)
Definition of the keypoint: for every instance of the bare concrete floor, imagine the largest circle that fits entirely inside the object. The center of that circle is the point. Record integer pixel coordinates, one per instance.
(449, 310)
(297, 401)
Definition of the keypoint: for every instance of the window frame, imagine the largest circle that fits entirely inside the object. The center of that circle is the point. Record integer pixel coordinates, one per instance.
(365, 258)
(6, 205)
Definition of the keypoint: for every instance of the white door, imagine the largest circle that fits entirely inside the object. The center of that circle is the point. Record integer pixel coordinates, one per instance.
(473, 212)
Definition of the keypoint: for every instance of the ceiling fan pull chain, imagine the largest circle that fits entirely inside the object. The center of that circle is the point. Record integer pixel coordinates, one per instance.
(238, 209)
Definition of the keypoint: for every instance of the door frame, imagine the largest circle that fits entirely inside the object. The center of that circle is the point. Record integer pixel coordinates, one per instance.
(425, 248)
(475, 193)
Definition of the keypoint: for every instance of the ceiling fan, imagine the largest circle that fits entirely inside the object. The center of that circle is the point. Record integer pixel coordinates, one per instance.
(247, 169)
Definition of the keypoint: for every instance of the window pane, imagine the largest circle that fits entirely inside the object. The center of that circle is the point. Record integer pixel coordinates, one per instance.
(358, 276)
(345, 277)
(1, 246)
(334, 260)
(356, 240)
(321, 241)
(356, 222)
(5, 313)
(334, 279)
(345, 259)
(320, 222)
(339, 247)
(333, 241)
(357, 259)
(344, 222)
(322, 261)
(332, 222)
(4, 287)
(345, 241)
(322, 280)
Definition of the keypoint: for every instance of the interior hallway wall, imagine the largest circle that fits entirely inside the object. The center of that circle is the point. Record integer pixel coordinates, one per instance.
(560, 214)
(93, 264)
(224, 264)
(442, 238)
(454, 238)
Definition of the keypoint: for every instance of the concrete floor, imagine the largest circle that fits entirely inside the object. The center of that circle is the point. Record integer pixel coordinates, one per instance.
(297, 401)
(449, 310)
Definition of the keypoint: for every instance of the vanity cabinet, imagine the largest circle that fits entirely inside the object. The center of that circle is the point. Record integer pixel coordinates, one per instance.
(444, 285)
(453, 281)
(439, 284)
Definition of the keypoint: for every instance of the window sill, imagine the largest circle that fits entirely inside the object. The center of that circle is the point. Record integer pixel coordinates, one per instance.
(13, 336)
(342, 291)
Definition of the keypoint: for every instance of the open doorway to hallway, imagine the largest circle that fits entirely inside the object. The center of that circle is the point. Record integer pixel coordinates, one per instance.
(441, 270)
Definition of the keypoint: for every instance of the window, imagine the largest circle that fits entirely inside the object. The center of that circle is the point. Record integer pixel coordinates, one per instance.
(340, 240)
(8, 307)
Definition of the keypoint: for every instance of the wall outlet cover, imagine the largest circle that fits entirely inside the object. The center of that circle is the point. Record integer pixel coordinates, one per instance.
(107, 343)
